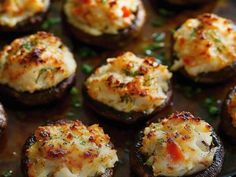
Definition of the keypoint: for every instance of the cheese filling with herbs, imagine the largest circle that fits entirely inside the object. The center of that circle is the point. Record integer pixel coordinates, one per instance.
(129, 83)
(13, 12)
(36, 62)
(70, 150)
(205, 44)
(178, 146)
(232, 108)
(97, 17)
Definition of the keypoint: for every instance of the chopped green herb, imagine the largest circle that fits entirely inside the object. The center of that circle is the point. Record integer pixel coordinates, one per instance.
(27, 45)
(161, 141)
(212, 106)
(74, 91)
(213, 110)
(86, 68)
(86, 52)
(41, 72)
(82, 142)
(154, 46)
(161, 58)
(193, 33)
(104, 1)
(149, 162)
(76, 102)
(126, 98)
(130, 72)
(7, 173)
(159, 36)
(51, 22)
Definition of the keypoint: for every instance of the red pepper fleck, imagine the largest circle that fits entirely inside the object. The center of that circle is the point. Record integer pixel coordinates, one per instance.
(188, 61)
(126, 12)
(77, 10)
(174, 151)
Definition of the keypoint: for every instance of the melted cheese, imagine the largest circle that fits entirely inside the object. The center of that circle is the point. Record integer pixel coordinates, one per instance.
(13, 12)
(178, 146)
(232, 108)
(129, 83)
(97, 17)
(205, 44)
(70, 150)
(36, 62)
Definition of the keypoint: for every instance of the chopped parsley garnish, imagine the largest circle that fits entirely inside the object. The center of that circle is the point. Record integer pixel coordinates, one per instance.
(156, 48)
(212, 106)
(41, 72)
(51, 22)
(75, 99)
(159, 37)
(152, 47)
(104, 1)
(86, 68)
(131, 72)
(76, 102)
(126, 98)
(27, 45)
(193, 33)
(86, 52)
(7, 173)
(74, 91)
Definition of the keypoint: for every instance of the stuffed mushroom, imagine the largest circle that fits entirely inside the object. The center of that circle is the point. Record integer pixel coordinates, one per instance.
(128, 88)
(205, 49)
(22, 15)
(68, 148)
(36, 69)
(228, 116)
(180, 145)
(108, 24)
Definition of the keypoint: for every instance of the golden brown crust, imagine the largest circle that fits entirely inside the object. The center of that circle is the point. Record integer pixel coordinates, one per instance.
(141, 169)
(57, 152)
(108, 40)
(31, 23)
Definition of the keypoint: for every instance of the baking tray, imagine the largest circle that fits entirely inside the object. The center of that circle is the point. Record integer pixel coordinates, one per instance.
(188, 97)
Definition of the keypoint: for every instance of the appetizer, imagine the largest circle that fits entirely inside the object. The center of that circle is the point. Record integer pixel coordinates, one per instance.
(108, 24)
(128, 88)
(68, 149)
(22, 15)
(180, 145)
(36, 69)
(3, 119)
(205, 49)
(228, 116)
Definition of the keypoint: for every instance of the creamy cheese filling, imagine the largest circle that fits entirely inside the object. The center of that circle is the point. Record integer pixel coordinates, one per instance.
(178, 146)
(232, 108)
(36, 62)
(13, 12)
(129, 83)
(70, 150)
(97, 17)
(205, 44)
